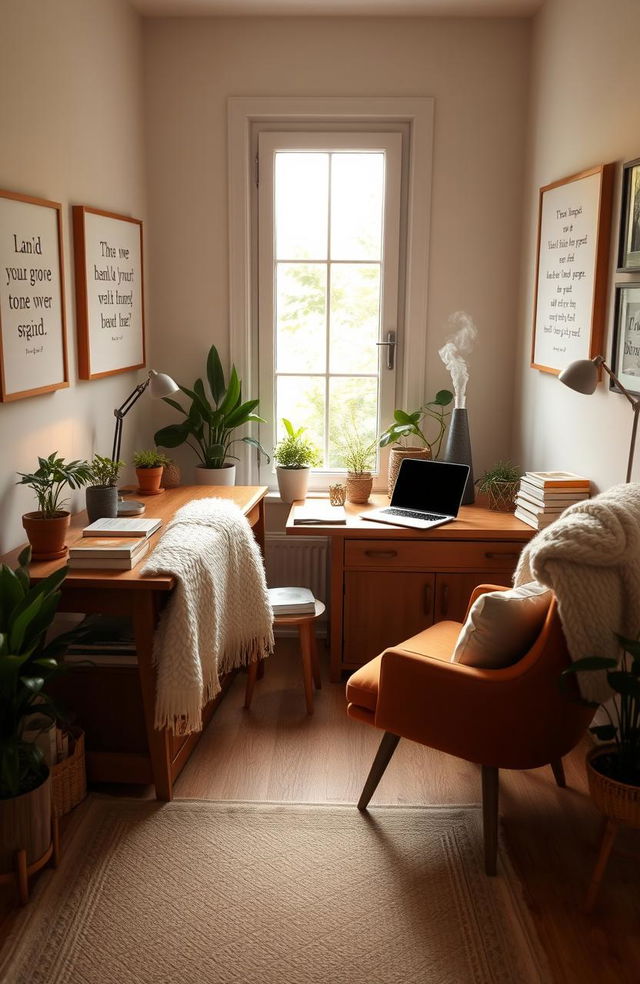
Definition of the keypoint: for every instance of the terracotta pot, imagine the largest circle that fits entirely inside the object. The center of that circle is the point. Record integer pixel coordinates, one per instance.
(25, 822)
(216, 476)
(616, 800)
(293, 483)
(149, 479)
(397, 456)
(359, 487)
(47, 536)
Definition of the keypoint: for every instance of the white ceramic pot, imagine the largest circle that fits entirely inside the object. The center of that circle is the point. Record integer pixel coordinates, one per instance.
(216, 476)
(293, 483)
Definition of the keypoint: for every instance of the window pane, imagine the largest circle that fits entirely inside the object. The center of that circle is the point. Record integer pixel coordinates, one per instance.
(354, 317)
(301, 204)
(301, 317)
(353, 403)
(301, 400)
(357, 185)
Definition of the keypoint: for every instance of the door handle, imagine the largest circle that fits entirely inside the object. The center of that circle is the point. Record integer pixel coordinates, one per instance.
(496, 554)
(444, 600)
(426, 600)
(391, 348)
(381, 553)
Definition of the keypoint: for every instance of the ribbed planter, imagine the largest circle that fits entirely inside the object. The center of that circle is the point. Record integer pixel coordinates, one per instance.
(216, 476)
(359, 487)
(616, 800)
(102, 502)
(293, 483)
(397, 456)
(25, 824)
(47, 536)
(171, 476)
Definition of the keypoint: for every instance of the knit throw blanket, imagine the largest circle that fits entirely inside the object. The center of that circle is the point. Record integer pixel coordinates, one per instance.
(590, 557)
(218, 616)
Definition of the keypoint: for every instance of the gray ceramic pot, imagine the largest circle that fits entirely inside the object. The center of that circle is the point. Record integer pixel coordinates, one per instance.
(102, 502)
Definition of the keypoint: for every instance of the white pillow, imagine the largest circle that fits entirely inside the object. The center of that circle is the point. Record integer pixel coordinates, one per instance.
(502, 626)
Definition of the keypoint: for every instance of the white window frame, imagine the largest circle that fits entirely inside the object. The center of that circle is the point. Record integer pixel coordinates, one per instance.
(247, 113)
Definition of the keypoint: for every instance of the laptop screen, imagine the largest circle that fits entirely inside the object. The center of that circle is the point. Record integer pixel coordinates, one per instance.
(432, 486)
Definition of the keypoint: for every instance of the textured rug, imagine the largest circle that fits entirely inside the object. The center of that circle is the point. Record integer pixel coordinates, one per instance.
(238, 893)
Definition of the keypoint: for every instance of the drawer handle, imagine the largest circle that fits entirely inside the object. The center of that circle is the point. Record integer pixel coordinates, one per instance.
(501, 553)
(444, 600)
(381, 553)
(426, 600)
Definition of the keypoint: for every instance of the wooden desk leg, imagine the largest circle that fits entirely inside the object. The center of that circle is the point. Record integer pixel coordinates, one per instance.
(336, 612)
(306, 630)
(609, 834)
(144, 622)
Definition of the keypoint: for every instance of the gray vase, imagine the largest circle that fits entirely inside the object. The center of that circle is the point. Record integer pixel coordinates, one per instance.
(102, 502)
(458, 450)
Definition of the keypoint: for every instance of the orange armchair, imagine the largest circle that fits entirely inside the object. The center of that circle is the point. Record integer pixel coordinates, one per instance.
(512, 718)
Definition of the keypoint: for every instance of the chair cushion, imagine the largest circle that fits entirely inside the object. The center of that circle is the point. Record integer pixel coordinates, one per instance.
(502, 626)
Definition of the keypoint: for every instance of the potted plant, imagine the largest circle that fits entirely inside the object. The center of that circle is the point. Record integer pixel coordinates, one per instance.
(500, 484)
(411, 426)
(101, 494)
(46, 528)
(149, 466)
(27, 665)
(210, 423)
(358, 455)
(294, 455)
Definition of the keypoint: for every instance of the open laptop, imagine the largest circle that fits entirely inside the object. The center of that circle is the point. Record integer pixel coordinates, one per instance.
(426, 494)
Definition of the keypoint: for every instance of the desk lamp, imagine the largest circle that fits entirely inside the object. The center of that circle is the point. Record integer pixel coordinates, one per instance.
(160, 385)
(582, 376)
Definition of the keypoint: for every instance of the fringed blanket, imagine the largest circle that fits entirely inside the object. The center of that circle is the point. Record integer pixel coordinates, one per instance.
(218, 616)
(590, 557)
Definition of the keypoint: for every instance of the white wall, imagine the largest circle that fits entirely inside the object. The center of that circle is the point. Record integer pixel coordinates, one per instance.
(71, 125)
(584, 111)
(478, 73)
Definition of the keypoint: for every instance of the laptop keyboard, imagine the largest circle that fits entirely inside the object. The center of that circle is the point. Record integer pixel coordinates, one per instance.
(390, 511)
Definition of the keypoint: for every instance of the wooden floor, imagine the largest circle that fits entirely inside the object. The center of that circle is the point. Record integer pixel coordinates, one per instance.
(276, 752)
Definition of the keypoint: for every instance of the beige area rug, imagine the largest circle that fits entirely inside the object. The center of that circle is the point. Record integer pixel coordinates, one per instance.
(239, 893)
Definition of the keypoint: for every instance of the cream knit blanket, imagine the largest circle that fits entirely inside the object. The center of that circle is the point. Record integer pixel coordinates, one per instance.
(218, 616)
(590, 557)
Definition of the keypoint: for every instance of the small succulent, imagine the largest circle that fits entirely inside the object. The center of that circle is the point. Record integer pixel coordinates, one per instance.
(151, 458)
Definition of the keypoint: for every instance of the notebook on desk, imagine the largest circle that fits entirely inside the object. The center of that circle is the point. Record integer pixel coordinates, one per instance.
(426, 494)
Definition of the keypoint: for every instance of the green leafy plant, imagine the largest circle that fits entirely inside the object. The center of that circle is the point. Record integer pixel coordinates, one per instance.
(294, 450)
(357, 453)
(623, 728)
(502, 471)
(27, 665)
(407, 425)
(53, 475)
(150, 458)
(209, 425)
(104, 471)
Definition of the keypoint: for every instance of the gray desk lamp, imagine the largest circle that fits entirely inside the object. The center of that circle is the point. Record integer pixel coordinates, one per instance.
(160, 385)
(582, 376)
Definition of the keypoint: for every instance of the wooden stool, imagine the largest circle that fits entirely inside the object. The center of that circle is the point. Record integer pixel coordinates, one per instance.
(310, 664)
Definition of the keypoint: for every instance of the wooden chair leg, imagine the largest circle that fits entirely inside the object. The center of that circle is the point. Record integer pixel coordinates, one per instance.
(558, 773)
(490, 790)
(22, 878)
(609, 834)
(252, 675)
(381, 761)
(306, 646)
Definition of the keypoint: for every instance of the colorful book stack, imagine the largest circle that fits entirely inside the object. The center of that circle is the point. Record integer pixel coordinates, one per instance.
(543, 496)
(109, 553)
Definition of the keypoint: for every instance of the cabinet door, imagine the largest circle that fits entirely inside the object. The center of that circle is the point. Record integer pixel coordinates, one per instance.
(454, 590)
(381, 608)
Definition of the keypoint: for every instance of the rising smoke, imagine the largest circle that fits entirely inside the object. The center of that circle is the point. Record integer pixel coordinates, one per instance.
(462, 337)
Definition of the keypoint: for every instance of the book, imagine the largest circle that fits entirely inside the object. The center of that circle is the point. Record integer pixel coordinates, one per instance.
(557, 480)
(105, 658)
(119, 563)
(292, 601)
(537, 522)
(122, 527)
(536, 508)
(319, 513)
(566, 496)
(104, 546)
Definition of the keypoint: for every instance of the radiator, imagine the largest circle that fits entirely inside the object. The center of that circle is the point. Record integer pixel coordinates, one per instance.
(301, 562)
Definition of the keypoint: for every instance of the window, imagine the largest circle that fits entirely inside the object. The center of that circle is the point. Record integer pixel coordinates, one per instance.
(328, 269)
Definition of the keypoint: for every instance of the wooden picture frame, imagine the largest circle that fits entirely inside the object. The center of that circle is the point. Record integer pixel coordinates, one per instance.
(625, 346)
(33, 337)
(572, 269)
(109, 292)
(629, 243)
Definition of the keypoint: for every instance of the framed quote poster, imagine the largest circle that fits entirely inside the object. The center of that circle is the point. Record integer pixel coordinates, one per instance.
(572, 269)
(625, 351)
(629, 247)
(33, 344)
(109, 292)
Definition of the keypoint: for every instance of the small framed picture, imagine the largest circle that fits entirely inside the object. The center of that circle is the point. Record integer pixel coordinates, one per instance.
(625, 353)
(629, 249)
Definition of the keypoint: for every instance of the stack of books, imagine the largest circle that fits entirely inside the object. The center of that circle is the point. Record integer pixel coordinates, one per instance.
(544, 495)
(292, 601)
(113, 544)
(110, 642)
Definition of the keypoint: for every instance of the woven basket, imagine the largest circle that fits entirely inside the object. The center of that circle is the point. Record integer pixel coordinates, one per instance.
(397, 456)
(502, 496)
(359, 487)
(69, 777)
(616, 800)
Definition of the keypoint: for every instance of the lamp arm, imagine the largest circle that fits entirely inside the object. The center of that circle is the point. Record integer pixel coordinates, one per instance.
(599, 361)
(122, 411)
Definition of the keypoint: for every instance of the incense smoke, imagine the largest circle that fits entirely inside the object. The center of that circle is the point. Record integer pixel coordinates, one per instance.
(461, 341)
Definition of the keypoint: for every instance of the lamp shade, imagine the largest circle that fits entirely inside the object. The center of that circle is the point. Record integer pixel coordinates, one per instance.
(581, 376)
(161, 385)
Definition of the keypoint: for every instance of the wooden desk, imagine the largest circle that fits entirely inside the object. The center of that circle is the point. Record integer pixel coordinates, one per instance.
(389, 582)
(162, 755)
